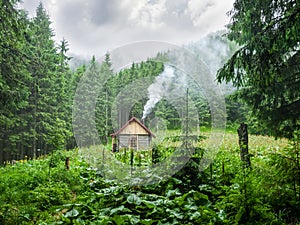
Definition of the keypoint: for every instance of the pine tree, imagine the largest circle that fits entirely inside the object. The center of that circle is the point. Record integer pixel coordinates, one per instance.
(13, 78)
(85, 115)
(266, 67)
(48, 128)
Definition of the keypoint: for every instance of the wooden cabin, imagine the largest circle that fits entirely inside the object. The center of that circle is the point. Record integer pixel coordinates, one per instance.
(134, 134)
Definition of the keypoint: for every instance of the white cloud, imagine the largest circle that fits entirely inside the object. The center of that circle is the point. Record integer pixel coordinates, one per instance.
(95, 26)
(147, 15)
(208, 13)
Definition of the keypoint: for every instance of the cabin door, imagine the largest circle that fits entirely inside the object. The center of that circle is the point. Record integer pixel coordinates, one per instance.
(133, 142)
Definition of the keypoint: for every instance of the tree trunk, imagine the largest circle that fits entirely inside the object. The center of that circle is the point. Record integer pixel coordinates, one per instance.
(243, 143)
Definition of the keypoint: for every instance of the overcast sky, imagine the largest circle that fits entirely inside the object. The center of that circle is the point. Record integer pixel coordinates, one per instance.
(93, 27)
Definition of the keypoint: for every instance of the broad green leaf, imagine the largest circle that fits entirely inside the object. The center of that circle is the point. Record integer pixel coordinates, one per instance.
(134, 199)
(72, 213)
(171, 193)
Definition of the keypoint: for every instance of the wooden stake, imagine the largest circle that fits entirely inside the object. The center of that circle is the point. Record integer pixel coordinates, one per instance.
(243, 143)
(68, 163)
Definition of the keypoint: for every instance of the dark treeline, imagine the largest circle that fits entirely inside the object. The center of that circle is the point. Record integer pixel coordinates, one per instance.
(35, 82)
(37, 87)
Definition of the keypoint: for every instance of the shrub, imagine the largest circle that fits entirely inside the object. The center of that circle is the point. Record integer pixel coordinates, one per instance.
(55, 193)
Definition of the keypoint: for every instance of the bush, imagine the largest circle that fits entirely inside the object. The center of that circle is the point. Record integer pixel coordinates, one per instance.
(50, 195)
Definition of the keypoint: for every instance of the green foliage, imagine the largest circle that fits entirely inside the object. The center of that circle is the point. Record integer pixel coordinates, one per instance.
(133, 157)
(28, 191)
(243, 201)
(126, 205)
(36, 95)
(225, 193)
(155, 155)
(266, 67)
(120, 88)
(35, 116)
(255, 196)
(286, 175)
(56, 159)
(37, 92)
(55, 193)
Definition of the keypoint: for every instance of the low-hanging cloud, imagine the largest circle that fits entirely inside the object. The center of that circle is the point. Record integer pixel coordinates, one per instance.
(95, 26)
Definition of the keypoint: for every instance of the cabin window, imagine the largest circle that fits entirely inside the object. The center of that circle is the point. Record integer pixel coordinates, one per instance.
(133, 142)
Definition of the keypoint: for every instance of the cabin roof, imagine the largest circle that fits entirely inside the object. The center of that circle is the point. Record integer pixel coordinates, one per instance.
(133, 119)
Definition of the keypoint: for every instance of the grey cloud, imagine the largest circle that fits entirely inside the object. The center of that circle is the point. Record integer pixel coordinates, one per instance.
(105, 12)
(95, 26)
(153, 1)
(176, 6)
(175, 15)
(70, 14)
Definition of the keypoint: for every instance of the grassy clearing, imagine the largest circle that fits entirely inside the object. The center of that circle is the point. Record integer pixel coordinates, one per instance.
(258, 144)
(223, 141)
(42, 191)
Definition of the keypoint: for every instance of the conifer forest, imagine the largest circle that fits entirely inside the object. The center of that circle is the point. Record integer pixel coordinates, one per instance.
(205, 133)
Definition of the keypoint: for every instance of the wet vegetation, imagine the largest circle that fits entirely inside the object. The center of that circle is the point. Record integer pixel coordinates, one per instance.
(43, 191)
(45, 178)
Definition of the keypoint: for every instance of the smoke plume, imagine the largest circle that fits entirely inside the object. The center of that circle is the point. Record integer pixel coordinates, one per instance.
(158, 89)
(214, 50)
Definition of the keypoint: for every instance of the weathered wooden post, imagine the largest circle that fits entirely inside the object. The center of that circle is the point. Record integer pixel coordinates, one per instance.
(124, 155)
(154, 154)
(139, 158)
(113, 144)
(131, 157)
(67, 163)
(243, 143)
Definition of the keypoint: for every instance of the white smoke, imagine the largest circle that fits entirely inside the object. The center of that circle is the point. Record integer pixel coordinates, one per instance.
(214, 50)
(158, 89)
